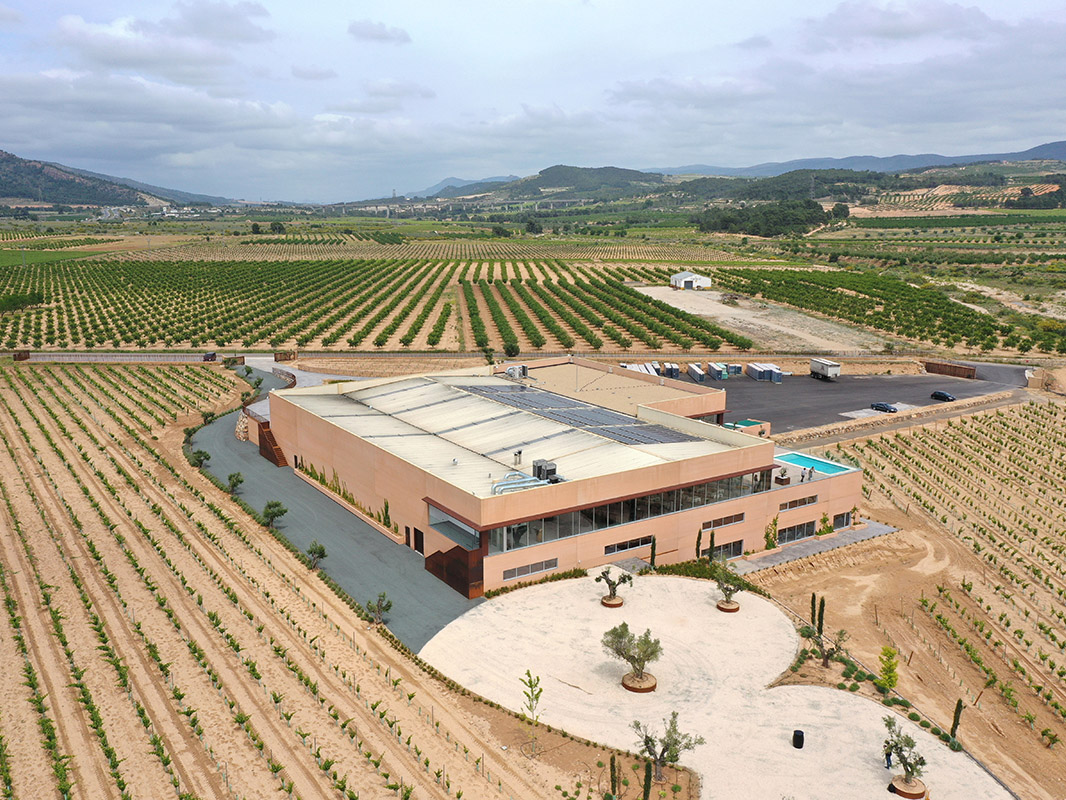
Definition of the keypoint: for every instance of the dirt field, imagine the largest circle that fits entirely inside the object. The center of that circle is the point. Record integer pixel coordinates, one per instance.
(171, 640)
(875, 591)
(770, 327)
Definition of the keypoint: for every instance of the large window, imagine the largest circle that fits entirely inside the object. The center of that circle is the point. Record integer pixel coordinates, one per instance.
(794, 533)
(726, 551)
(608, 515)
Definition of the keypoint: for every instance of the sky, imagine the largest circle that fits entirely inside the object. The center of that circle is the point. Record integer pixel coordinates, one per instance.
(328, 101)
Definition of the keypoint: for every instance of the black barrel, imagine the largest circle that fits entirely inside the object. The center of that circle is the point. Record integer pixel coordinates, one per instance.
(797, 739)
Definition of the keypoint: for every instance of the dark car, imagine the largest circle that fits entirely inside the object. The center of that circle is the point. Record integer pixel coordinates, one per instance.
(939, 395)
(888, 407)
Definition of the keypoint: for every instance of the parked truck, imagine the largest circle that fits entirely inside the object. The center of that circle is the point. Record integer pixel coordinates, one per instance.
(824, 369)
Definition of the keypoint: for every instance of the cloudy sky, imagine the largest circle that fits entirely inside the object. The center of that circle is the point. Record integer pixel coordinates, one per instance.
(324, 100)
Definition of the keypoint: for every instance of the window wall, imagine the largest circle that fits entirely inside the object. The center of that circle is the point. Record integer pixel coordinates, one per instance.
(608, 515)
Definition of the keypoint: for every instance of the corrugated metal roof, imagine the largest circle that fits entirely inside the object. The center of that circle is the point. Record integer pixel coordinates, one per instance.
(469, 439)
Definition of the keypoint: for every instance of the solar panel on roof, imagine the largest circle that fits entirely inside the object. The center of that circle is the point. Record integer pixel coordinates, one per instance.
(579, 415)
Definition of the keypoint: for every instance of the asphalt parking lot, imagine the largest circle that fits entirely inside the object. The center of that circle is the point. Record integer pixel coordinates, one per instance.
(800, 401)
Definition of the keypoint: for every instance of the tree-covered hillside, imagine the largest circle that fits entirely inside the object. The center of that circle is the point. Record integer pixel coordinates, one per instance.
(46, 183)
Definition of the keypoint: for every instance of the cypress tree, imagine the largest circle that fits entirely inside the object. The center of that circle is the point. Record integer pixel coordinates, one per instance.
(647, 780)
(614, 777)
(956, 718)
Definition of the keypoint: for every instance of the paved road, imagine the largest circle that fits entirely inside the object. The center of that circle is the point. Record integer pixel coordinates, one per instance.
(360, 559)
(804, 402)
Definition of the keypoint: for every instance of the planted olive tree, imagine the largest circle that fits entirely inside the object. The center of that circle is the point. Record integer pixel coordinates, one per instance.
(902, 746)
(667, 748)
(637, 651)
(316, 551)
(613, 583)
(380, 608)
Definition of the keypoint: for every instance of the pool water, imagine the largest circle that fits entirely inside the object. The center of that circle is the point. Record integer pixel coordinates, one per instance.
(819, 464)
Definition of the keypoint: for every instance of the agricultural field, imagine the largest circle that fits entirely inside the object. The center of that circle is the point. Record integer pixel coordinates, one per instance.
(349, 304)
(330, 246)
(162, 643)
(949, 196)
(992, 481)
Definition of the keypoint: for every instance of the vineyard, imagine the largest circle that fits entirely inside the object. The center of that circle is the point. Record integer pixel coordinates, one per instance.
(383, 304)
(993, 479)
(160, 643)
(337, 246)
(948, 196)
(885, 304)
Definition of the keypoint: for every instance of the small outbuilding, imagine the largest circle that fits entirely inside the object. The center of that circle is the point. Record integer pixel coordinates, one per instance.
(689, 280)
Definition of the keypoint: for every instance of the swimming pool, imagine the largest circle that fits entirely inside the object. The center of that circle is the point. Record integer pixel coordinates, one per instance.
(819, 464)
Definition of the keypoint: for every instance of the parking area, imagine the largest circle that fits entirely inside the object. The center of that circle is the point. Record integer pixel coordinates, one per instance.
(800, 401)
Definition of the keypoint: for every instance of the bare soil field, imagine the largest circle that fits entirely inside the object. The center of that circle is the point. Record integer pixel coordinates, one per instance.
(969, 590)
(771, 327)
(166, 642)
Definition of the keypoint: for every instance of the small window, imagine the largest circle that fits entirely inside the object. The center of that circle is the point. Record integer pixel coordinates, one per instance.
(530, 569)
(721, 522)
(632, 544)
(799, 502)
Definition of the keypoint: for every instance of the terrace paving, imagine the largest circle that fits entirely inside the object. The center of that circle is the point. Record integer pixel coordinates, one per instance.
(715, 671)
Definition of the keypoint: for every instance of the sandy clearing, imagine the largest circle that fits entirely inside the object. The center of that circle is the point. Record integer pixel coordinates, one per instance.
(771, 327)
(714, 671)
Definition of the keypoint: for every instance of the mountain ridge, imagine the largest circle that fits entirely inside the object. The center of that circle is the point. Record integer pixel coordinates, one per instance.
(897, 163)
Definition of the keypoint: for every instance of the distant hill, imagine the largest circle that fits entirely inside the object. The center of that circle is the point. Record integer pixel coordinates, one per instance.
(174, 195)
(1052, 151)
(52, 183)
(564, 181)
(458, 183)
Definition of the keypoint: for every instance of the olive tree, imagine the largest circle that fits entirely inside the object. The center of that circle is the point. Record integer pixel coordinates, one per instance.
(637, 651)
(667, 748)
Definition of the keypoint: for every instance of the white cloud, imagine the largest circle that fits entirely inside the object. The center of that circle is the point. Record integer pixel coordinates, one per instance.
(368, 31)
(394, 88)
(313, 73)
(214, 21)
(9, 16)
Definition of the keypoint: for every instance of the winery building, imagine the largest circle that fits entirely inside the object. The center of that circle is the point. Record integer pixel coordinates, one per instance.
(498, 475)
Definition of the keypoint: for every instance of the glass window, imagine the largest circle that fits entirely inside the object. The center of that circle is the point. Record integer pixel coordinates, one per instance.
(496, 540)
(842, 520)
(599, 518)
(566, 524)
(585, 519)
(614, 513)
(517, 535)
(762, 481)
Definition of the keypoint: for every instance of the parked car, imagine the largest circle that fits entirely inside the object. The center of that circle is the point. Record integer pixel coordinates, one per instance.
(939, 395)
(887, 407)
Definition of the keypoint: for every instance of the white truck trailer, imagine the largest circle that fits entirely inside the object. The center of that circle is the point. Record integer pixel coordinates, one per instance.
(824, 369)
